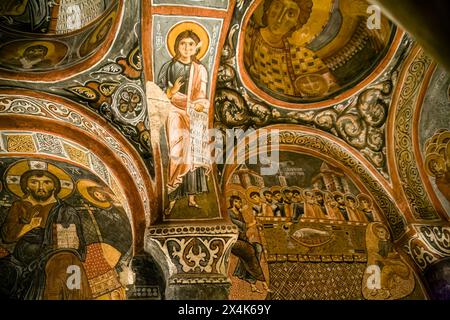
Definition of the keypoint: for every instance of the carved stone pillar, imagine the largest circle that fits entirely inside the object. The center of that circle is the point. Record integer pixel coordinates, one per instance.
(194, 259)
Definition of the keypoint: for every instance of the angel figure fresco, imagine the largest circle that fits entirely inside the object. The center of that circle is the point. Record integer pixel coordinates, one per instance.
(279, 65)
(184, 81)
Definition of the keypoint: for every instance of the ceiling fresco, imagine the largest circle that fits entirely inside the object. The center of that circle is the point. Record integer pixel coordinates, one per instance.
(224, 149)
(310, 50)
(73, 40)
(111, 87)
(57, 17)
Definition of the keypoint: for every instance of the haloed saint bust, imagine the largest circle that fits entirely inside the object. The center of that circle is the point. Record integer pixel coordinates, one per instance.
(278, 64)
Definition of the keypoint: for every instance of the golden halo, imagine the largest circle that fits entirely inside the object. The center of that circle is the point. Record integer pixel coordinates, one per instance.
(83, 185)
(50, 47)
(305, 191)
(199, 30)
(315, 21)
(427, 143)
(284, 189)
(261, 193)
(441, 149)
(249, 191)
(447, 155)
(444, 137)
(337, 193)
(434, 138)
(375, 225)
(350, 195)
(101, 26)
(300, 190)
(431, 148)
(91, 42)
(16, 170)
(434, 158)
(361, 196)
(317, 191)
(240, 192)
(275, 188)
(11, 51)
(327, 195)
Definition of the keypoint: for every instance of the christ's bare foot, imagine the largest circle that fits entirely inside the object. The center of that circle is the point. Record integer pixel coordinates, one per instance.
(169, 209)
(192, 203)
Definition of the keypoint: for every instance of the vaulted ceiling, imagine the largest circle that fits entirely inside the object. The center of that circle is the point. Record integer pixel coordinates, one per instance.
(347, 101)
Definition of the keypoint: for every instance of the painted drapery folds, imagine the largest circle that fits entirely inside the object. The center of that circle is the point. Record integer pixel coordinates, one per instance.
(185, 81)
(59, 220)
(182, 63)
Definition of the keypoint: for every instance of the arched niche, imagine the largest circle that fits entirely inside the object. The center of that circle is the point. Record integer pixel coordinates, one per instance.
(65, 230)
(318, 218)
(39, 115)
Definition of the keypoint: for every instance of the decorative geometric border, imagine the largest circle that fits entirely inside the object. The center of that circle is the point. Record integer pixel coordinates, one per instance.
(147, 12)
(428, 244)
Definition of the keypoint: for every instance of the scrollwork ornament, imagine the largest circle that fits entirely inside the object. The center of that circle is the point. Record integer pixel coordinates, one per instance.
(437, 237)
(420, 253)
(360, 120)
(407, 167)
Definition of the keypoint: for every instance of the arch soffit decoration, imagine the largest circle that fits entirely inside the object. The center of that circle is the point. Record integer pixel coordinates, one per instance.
(404, 157)
(23, 110)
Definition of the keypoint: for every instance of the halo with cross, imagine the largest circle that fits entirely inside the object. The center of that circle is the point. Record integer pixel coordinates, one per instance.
(83, 186)
(17, 169)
